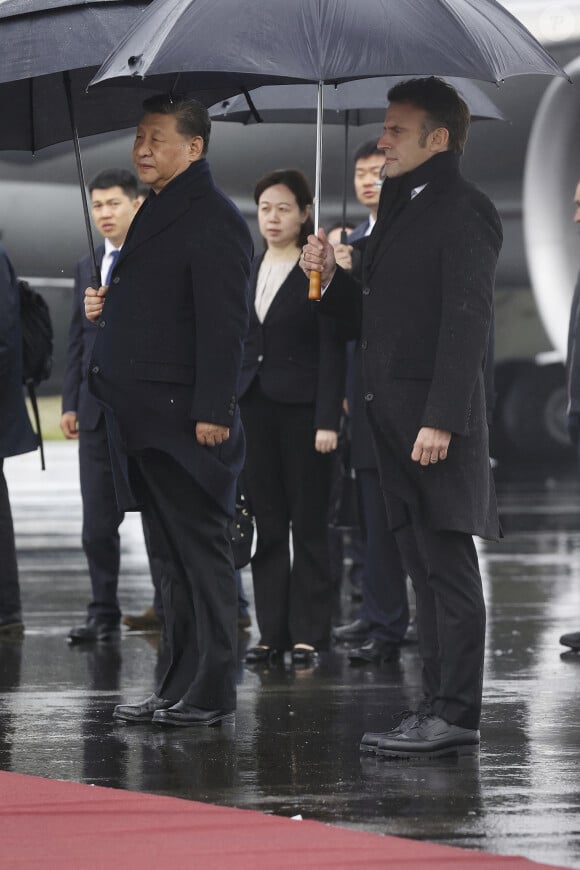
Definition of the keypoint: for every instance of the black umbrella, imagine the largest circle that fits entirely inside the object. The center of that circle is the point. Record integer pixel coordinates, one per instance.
(353, 103)
(50, 51)
(187, 44)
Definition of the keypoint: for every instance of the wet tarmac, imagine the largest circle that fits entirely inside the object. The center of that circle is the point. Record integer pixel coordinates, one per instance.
(294, 747)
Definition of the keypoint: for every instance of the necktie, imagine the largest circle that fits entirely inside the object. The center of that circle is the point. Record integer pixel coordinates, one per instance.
(114, 257)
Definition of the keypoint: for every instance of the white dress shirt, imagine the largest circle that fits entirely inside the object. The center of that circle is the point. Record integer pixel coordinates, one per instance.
(107, 259)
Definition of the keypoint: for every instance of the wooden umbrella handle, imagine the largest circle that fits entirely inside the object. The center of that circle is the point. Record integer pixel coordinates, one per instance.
(314, 293)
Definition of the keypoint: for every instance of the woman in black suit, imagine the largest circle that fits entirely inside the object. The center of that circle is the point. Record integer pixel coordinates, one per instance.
(292, 386)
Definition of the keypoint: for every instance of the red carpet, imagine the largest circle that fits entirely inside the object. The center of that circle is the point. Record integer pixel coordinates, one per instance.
(66, 825)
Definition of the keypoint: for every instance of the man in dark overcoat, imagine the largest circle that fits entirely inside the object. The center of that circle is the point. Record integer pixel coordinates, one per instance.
(424, 312)
(165, 366)
(572, 638)
(16, 436)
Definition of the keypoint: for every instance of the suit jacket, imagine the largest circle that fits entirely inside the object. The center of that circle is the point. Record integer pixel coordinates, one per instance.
(296, 355)
(81, 337)
(169, 343)
(16, 433)
(425, 311)
(359, 232)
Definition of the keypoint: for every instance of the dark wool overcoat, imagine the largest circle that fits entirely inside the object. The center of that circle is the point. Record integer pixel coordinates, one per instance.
(16, 433)
(169, 343)
(425, 310)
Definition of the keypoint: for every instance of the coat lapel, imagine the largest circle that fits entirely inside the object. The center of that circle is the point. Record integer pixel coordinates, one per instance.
(160, 211)
(423, 201)
(284, 295)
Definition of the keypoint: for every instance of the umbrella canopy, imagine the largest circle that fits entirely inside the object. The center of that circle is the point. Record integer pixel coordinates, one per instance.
(182, 44)
(43, 38)
(50, 51)
(364, 100)
(257, 43)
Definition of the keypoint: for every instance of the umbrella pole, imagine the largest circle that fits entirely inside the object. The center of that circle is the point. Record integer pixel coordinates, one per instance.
(343, 234)
(314, 290)
(95, 279)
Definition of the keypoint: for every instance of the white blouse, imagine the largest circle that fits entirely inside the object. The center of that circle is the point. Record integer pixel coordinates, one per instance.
(271, 276)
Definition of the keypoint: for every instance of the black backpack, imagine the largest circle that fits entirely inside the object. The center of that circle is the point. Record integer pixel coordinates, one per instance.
(37, 343)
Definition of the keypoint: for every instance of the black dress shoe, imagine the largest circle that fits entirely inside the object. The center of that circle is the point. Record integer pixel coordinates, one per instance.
(185, 714)
(142, 712)
(353, 631)
(430, 737)
(263, 655)
(94, 630)
(572, 640)
(371, 739)
(374, 652)
(304, 656)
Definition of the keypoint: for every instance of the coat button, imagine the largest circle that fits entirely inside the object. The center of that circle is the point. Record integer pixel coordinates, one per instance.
(366, 291)
(364, 344)
(102, 324)
(261, 357)
(369, 397)
(95, 370)
(116, 279)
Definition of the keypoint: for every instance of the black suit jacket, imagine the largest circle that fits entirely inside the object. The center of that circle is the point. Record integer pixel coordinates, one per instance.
(425, 311)
(169, 343)
(81, 337)
(296, 355)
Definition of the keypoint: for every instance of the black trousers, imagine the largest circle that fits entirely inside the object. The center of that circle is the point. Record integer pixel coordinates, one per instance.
(198, 588)
(385, 605)
(100, 532)
(288, 485)
(9, 588)
(444, 569)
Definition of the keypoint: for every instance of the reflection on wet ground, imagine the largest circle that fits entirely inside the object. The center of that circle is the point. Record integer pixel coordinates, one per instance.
(294, 748)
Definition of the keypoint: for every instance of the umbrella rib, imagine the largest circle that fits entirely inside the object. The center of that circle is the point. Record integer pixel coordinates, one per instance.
(251, 105)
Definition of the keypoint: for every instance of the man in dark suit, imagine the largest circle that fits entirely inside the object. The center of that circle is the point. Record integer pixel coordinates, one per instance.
(425, 313)
(115, 200)
(165, 366)
(572, 639)
(16, 436)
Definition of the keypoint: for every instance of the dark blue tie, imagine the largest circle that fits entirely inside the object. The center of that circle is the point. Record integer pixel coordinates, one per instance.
(114, 257)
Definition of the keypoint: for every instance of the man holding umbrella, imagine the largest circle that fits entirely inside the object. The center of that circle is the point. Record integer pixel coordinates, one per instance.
(424, 316)
(165, 366)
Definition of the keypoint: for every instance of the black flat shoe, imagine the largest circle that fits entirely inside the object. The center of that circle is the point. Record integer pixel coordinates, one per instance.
(302, 656)
(185, 714)
(263, 655)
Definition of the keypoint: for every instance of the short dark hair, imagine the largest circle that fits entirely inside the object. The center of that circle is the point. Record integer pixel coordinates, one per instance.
(115, 178)
(367, 149)
(443, 105)
(297, 182)
(192, 116)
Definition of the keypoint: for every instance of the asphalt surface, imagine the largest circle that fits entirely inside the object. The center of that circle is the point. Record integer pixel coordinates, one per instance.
(294, 747)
